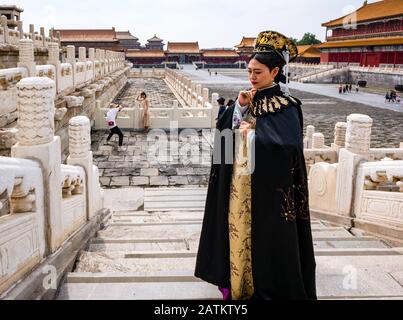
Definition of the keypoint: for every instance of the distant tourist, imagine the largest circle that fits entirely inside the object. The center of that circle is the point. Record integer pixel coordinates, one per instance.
(340, 89)
(145, 105)
(393, 96)
(111, 122)
(221, 103)
(350, 88)
(387, 97)
(357, 89)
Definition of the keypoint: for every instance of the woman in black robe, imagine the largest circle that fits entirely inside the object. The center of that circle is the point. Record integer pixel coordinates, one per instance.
(256, 241)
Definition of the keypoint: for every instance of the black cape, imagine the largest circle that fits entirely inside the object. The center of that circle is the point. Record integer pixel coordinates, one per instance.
(282, 246)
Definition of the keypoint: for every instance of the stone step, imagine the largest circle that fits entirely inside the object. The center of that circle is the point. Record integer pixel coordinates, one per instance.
(359, 252)
(137, 262)
(143, 225)
(140, 291)
(148, 192)
(174, 199)
(360, 276)
(135, 214)
(175, 205)
(369, 277)
(107, 245)
(115, 277)
(186, 231)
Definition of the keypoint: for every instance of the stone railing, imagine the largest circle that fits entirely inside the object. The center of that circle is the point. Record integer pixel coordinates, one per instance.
(384, 70)
(42, 202)
(379, 195)
(147, 73)
(82, 85)
(322, 74)
(354, 188)
(193, 108)
(13, 37)
(301, 70)
(22, 219)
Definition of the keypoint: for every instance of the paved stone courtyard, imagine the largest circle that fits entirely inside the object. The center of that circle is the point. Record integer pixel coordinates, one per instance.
(321, 111)
(153, 160)
(186, 160)
(159, 95)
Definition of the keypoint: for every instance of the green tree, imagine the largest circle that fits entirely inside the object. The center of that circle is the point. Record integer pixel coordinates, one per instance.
(308, 38)
(295, 40)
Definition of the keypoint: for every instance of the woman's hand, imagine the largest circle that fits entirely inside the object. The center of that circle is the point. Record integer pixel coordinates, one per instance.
(246, 97)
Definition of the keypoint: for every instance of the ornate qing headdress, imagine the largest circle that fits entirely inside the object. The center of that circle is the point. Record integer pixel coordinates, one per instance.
(272, 41)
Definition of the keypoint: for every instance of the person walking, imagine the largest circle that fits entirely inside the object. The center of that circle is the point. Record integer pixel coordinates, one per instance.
(113, 127)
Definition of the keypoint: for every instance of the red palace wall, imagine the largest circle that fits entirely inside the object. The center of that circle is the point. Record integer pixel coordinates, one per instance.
(364, 58)
(220, 59)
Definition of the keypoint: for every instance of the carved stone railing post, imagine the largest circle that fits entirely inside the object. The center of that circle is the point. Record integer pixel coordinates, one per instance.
(340, 132)
(71, 59)
(358, 141)
(206, 95)
(310, 131)
(36, 141)
(27, 57)
(358, 135)
(91, 54)
(82, 54)
(318, 141)
(20, 29)
(42, 30)
(3, 22)
(32, 32)
(54, 59)
(81, 155)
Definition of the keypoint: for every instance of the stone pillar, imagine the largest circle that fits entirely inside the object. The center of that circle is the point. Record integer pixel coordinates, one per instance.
(71, 59)
(58, 37)
(20, 29)
(358, 134)
(81, 155)
(340, 134)
(199, 89)
(36, 141)
(54, 59)
(358, 141)
(27, 57)
(216, 108)
(318, 141)
(215, 97)
(82, 54)
(310, 130)
(206, 94)
(91, 54)
(42, 30)
(71, 54)
(3, 21)
(175, 111)
(32, 32)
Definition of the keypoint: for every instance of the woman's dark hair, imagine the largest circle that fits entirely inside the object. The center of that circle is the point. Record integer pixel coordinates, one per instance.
(230, 103)
(271, 60)
(143, 94)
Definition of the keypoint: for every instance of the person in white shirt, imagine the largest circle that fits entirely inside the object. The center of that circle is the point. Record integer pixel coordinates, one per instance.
(111, 122)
